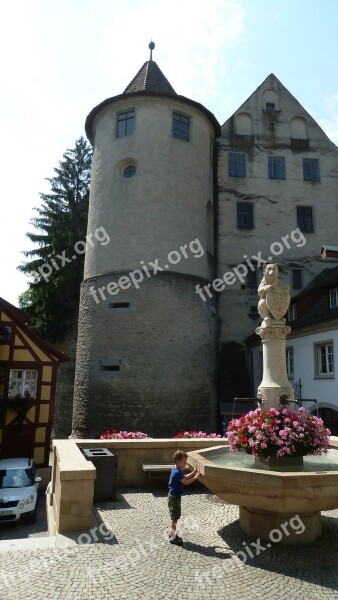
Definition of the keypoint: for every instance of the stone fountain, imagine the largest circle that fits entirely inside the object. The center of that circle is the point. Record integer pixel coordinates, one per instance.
(268, 498)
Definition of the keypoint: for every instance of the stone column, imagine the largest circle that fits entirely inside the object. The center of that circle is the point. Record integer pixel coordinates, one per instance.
(273, 304)
(275, 383)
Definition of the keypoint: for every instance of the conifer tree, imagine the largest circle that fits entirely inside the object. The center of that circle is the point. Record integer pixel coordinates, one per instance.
(56, 264)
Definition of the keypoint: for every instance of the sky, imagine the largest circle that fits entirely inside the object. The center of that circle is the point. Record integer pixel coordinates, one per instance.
(60, 58)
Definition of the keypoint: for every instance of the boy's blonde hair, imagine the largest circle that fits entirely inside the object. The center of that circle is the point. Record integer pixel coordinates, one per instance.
(179, 455)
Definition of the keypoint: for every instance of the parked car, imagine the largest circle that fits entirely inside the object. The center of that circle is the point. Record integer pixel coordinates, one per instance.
(19, 486)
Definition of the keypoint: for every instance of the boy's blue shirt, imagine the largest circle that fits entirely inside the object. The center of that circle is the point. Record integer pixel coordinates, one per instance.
(175, 486)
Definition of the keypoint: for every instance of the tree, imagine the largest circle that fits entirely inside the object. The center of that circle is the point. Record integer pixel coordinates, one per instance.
(56, 264)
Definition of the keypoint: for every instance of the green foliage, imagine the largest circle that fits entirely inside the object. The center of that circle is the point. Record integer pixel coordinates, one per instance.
(52, 301)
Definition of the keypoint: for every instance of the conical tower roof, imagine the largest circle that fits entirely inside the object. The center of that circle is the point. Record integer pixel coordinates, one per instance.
(150, 79)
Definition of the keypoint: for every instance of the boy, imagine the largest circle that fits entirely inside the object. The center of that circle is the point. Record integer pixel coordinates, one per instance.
(177, 480)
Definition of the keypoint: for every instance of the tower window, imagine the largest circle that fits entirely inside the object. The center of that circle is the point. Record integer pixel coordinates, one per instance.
(237, 164)
(311, 169)
(305, 219)
(270, 107)
(245, 215)
(111, 364)
(271, 126)
(297, 279)
(125, 123)
(181, 126)
(276, 167)
(129, 171)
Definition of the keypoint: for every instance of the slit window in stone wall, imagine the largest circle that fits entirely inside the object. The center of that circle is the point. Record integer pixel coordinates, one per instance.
(237, 164)
(111, 364)
(119, 305)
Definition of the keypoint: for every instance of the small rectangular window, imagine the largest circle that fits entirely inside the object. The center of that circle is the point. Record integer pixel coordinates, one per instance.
(311, 169)
(237, 164)
(292, 312)
(334, 298)
(271, 126)
(270, 107)
(297, 279)
(110, 367)
(5, 333)
(324, 360)
(21, 382)
(245, 218)
(304, 218)
(289, 362)
(251, 278)
(181, 126)
(276, 167)
(125, 123)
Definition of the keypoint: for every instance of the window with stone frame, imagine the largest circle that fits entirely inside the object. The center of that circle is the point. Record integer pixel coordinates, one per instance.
(324, 359)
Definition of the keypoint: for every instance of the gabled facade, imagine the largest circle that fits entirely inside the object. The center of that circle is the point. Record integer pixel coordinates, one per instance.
(28, 369)
(277, 201)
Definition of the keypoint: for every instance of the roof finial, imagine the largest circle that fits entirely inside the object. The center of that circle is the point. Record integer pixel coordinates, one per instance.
(151, 47)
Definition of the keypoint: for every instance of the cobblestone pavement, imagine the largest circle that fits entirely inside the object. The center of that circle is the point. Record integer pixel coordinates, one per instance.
(139, 563)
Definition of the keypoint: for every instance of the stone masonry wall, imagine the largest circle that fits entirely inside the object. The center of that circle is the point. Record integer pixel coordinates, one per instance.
(165, 345)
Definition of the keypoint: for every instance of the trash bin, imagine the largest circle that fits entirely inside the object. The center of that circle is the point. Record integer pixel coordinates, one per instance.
(106, 471)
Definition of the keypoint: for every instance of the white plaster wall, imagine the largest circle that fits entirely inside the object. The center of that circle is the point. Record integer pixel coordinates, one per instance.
(164, 205)
(325, 391)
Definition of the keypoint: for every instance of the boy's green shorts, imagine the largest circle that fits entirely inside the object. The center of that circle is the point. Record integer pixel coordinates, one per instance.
(174, 504)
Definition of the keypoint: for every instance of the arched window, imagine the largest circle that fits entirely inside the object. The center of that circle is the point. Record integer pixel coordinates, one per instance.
(299, 128)
(270, 101)
(243, 124)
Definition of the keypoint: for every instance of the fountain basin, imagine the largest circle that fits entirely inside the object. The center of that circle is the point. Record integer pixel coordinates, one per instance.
(269, 497)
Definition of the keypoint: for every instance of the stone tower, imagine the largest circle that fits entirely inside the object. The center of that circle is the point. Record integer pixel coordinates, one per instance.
(147, 343)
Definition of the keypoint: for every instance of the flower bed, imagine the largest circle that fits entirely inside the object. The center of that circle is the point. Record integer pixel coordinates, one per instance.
(124, 435)
(138, 435)
(196, 434)
(273, 433)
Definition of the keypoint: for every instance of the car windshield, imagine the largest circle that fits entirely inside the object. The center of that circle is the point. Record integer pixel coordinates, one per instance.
(15, 478)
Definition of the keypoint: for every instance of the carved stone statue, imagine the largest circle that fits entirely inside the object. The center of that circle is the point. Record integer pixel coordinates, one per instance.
(272, 306)
(275, 296)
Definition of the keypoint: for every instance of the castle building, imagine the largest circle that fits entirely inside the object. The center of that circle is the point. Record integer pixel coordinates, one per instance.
(191, 210)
